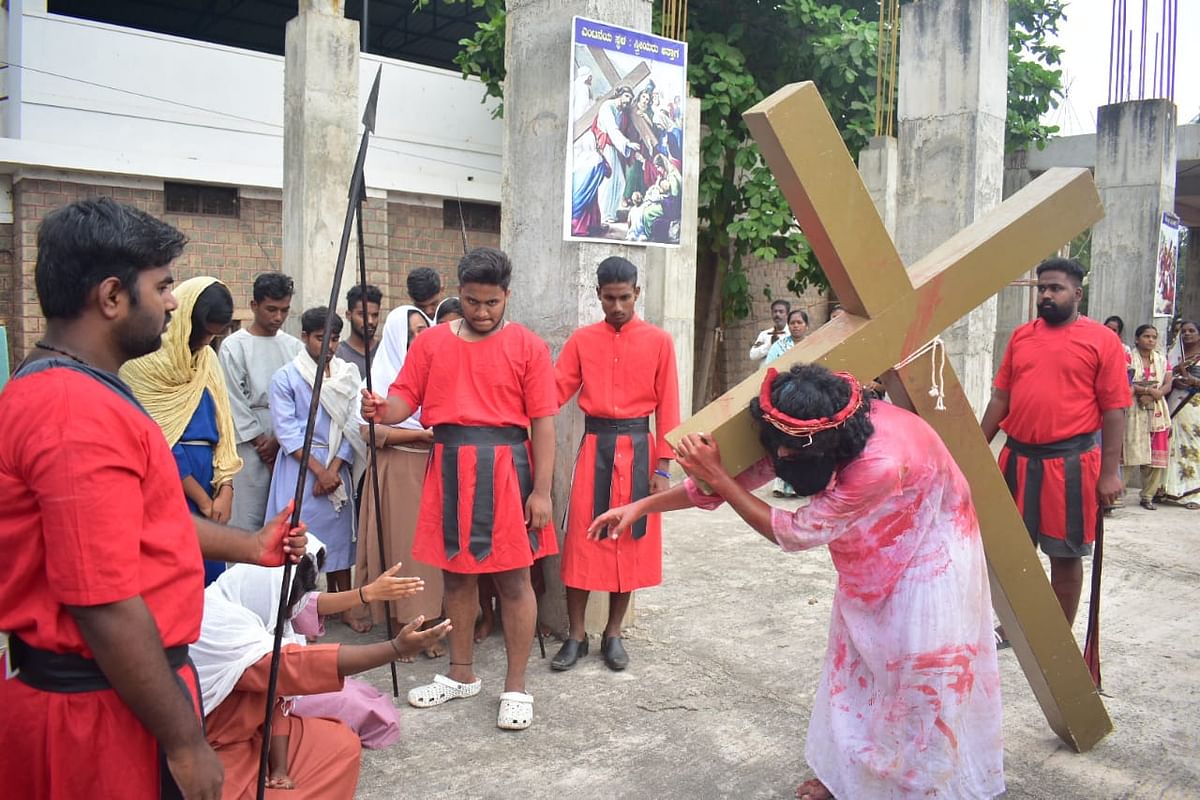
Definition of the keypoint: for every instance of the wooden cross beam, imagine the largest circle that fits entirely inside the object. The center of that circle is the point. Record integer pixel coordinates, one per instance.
(892, 312)
(615, 80)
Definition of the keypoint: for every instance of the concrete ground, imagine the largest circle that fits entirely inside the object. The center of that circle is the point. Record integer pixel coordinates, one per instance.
(725, 656)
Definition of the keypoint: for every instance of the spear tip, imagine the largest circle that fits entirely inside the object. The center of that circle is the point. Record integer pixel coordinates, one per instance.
(372, 101)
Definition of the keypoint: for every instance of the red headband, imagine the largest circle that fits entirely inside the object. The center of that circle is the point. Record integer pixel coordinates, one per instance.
(807, 427)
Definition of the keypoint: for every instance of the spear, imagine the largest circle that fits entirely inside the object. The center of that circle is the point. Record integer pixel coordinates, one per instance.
(357, 192)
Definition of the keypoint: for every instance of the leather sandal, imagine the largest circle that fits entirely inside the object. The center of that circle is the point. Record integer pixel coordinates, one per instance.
(569, 653)
(614, 653)
(1149, 505)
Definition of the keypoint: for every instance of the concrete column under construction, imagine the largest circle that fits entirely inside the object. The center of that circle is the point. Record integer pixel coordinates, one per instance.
(952, 105)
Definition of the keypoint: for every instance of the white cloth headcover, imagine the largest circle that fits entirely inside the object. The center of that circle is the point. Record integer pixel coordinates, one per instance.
(238, 628)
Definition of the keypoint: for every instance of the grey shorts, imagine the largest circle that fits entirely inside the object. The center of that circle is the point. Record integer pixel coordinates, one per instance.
(1061, 548)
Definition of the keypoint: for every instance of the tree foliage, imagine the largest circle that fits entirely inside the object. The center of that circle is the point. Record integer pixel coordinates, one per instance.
(740, 51)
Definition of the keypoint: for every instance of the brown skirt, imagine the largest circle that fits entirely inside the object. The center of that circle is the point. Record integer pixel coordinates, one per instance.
(401, 477)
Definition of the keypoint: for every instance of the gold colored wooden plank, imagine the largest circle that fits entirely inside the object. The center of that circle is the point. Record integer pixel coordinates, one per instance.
(805, 152)
(893, 313)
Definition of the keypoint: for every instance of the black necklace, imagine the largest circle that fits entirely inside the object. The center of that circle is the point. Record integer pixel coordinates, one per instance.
(43, 346)
(462, 323)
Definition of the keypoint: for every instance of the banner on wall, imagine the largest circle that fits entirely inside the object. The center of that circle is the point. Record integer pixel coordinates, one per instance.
(1166, 271)
(624, 178)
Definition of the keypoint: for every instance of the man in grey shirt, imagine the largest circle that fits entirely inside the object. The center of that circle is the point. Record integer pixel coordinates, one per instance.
(250, 357)
(362, 326)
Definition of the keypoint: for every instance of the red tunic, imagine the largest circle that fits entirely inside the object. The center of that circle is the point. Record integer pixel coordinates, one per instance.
(1060, 380)
(91, 512)
(504, 380)
(624, 374)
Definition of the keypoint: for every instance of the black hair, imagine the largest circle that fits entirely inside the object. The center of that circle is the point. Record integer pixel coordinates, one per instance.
(355, 295)
(809, 391)
(1070, 266)
(623, 90)
(1120, 323)
(1142, 329)
(84, 243)
(408, 323)
(451, 305)
(214, 305)
(423, 284)
(787, 305)
(486, 265)
(313, 320)
(273, 285)
(307, 572)
(615, 269)
(803, 315)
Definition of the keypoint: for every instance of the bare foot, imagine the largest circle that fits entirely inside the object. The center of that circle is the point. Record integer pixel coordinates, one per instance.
(357, 624)
(483, 628)
(280, 782)
(437, 650)
(813, 790)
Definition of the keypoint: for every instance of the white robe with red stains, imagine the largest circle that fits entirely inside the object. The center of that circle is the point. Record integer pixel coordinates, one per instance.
(909, 698)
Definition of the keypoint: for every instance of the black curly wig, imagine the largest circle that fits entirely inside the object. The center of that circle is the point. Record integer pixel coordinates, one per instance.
(809, 391)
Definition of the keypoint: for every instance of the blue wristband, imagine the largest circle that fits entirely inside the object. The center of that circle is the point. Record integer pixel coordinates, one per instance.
(663, 473)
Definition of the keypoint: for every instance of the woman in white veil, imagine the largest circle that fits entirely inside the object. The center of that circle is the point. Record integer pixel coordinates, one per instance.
(402, 454)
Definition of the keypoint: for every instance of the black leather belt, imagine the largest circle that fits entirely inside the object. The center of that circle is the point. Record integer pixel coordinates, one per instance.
(68, 673)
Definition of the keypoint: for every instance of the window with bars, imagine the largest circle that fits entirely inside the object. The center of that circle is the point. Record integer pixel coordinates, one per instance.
(195, 198)
(480, 217)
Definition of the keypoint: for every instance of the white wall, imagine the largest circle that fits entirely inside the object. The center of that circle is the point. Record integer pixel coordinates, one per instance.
(100, 98)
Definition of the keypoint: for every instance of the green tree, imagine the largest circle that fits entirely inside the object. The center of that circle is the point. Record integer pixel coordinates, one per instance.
(733, 66)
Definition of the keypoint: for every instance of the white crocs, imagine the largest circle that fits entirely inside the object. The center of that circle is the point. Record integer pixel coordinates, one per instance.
(441, 690)
(516, 711)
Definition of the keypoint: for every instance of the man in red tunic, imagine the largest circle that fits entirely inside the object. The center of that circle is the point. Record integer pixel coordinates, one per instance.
(626, 368)
(104, 584)
(481, 383)
(1062, 380)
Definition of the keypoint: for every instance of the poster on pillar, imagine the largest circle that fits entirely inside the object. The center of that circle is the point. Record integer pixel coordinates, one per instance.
(624, 178)
(1166, 269)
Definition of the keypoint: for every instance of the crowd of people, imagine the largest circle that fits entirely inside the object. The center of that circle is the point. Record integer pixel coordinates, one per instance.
(150, 463)
(1162, 434)
(147, 478)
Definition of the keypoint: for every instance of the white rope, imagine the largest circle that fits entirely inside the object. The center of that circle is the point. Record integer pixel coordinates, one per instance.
(937, 368)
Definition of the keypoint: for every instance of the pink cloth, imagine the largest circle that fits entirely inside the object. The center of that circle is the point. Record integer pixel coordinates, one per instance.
(369, 713)
(908, 703)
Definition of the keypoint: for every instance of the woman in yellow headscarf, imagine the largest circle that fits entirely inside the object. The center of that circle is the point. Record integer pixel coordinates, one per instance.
(182, 387)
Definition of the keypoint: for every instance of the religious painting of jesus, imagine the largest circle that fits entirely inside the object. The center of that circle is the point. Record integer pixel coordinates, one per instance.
(624, 177)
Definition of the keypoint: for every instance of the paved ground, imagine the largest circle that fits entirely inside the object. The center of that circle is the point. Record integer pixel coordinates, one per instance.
(725, 660)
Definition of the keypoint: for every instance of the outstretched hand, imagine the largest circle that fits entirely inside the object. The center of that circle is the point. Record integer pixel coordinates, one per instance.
(389, 587)
(276, 541)
(615, 521)
(411, 641)
(700, 458)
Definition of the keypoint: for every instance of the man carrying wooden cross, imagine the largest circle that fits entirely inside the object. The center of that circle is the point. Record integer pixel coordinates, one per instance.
(908, 702)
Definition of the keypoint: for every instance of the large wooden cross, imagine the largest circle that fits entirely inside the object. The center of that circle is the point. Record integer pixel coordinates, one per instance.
(615, 81)
(892, 312)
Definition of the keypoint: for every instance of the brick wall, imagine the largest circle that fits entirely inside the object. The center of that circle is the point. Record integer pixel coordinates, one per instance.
(397, 237)
(734, 363)
(418, 238)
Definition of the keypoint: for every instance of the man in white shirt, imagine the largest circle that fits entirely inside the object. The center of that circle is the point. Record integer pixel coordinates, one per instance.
(779, 315)
(250, 356)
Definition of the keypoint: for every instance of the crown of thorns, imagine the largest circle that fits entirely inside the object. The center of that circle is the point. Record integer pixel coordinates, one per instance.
(807, 427)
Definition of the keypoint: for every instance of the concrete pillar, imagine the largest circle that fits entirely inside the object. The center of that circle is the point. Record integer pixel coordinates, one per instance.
(879, 165)
(321, 129)
(1135, 172)
(554, 281)
(953, 100)
(1014, 305)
